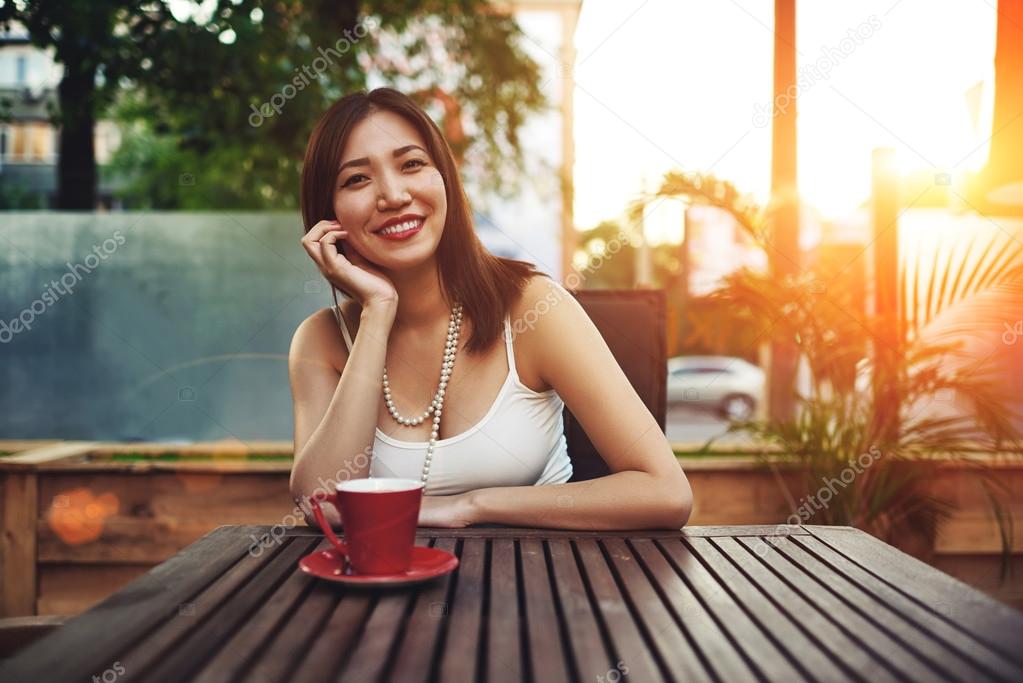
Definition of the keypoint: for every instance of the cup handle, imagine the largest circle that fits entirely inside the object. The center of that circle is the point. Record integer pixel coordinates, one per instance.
(314, 502)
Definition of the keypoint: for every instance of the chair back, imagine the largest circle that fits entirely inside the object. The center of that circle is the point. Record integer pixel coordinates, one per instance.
(633, 325)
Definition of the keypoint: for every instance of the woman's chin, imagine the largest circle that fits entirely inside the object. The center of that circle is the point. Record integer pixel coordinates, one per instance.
(404, 259)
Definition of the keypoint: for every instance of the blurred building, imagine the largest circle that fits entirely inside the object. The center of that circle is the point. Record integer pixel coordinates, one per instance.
(29, 142)
(537, 223)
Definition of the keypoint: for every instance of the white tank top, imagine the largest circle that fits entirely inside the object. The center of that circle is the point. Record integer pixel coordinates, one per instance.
(519, 442)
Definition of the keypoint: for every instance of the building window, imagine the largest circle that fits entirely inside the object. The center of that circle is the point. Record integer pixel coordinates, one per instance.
(28, 142)
(22, 70)
(40, 141)
(17, 143)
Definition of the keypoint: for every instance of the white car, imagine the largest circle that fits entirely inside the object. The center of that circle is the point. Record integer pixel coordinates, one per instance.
(730, 386)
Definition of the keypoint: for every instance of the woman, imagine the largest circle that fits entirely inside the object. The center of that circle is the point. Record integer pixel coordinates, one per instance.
(416, 375)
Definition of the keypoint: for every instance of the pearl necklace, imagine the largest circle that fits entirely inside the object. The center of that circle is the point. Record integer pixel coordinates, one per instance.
(450, 347)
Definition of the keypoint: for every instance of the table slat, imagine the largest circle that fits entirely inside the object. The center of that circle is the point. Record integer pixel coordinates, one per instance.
(202, 641)
(283, 654)
(384, 625)
(945, 631)
(582, 621)
(427, 621)
(749, 641)
(847, 635)
(141, 656)
(336, 639)
(775, 623)
(504, 646)
(718, 651)
(238, 649)
(886, 621)
(716, 604)
(458, 660)
(997, 624)
(662, 632)
(547, 657)
(629, 646)
(93, 641)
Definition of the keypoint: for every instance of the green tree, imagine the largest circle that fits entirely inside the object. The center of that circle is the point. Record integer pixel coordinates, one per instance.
(218, 105)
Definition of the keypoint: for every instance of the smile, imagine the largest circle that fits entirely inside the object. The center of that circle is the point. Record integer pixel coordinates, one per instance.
(401, 230)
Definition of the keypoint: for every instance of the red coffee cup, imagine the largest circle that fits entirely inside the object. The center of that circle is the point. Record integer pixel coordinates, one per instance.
(379, 517)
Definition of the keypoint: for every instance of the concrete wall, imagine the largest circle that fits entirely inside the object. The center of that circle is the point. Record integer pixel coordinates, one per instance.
(156, 326)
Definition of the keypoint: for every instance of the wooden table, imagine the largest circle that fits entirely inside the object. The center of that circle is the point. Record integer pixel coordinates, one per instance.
(711, 603)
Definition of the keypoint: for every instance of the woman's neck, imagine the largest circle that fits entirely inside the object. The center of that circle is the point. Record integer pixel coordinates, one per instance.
(420, 303)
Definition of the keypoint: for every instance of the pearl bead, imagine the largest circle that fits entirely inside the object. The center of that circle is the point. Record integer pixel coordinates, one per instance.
(437, 403)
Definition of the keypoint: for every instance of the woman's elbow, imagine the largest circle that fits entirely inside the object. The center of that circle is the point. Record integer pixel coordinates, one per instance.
(678, 504)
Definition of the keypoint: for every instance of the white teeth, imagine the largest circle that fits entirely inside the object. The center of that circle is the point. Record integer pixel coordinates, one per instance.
(400, 227)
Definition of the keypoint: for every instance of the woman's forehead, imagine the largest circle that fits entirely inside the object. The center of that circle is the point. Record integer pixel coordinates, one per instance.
(380, 133)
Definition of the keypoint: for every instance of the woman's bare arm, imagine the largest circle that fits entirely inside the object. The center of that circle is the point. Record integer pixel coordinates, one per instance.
(335, 401)
(647, 487)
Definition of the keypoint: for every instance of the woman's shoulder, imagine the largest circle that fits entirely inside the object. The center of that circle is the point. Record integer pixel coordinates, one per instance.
(320, 335)
(531, 317)
(540, 294)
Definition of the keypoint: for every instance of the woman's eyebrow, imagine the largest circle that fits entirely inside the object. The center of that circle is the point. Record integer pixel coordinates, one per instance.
(365, 162)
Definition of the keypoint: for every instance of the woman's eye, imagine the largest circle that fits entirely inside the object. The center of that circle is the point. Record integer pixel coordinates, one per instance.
(419, 163)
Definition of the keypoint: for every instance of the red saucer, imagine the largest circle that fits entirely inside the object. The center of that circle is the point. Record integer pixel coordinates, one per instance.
(426, 564)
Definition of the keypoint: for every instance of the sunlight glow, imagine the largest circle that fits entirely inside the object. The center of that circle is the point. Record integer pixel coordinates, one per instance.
(678, 84)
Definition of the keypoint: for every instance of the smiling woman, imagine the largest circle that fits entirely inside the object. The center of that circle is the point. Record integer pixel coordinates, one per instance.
(387, 222)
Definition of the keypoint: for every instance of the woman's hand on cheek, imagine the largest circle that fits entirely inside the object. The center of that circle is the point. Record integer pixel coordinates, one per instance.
(447, 511)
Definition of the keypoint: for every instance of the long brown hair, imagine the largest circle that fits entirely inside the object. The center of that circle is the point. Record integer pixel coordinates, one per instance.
(485, 284)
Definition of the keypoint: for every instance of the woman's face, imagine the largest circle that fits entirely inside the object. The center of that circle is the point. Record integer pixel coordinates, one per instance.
(386, 174)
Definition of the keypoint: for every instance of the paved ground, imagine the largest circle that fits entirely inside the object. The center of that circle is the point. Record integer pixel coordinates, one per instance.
(689, 426)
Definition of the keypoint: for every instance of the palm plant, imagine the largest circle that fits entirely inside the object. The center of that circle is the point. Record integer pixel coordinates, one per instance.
(839, 419)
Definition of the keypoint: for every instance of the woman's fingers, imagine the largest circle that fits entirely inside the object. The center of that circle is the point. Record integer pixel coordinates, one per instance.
(328, 245)
(311, 240)
(318, 230)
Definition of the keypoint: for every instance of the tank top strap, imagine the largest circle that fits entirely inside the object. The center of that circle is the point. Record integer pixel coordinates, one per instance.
(508, 344)
(344, 328)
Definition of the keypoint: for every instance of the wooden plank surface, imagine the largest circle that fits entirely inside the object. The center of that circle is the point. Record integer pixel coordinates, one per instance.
(498, 531)
(716, 604)
(18, 581)
(90, 643)
(997, 624)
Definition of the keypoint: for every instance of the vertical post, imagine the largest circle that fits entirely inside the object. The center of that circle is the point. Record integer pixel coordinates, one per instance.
(1005, 166)
(685, 267)
(643, 276)
(783, 257)
(885, 301)
(569, 18)
(18, 512)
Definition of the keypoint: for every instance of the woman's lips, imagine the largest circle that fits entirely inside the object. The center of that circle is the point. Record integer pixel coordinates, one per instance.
(398, 236)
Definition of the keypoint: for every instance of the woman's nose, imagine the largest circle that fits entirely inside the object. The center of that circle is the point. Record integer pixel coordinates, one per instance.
(393, 193)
